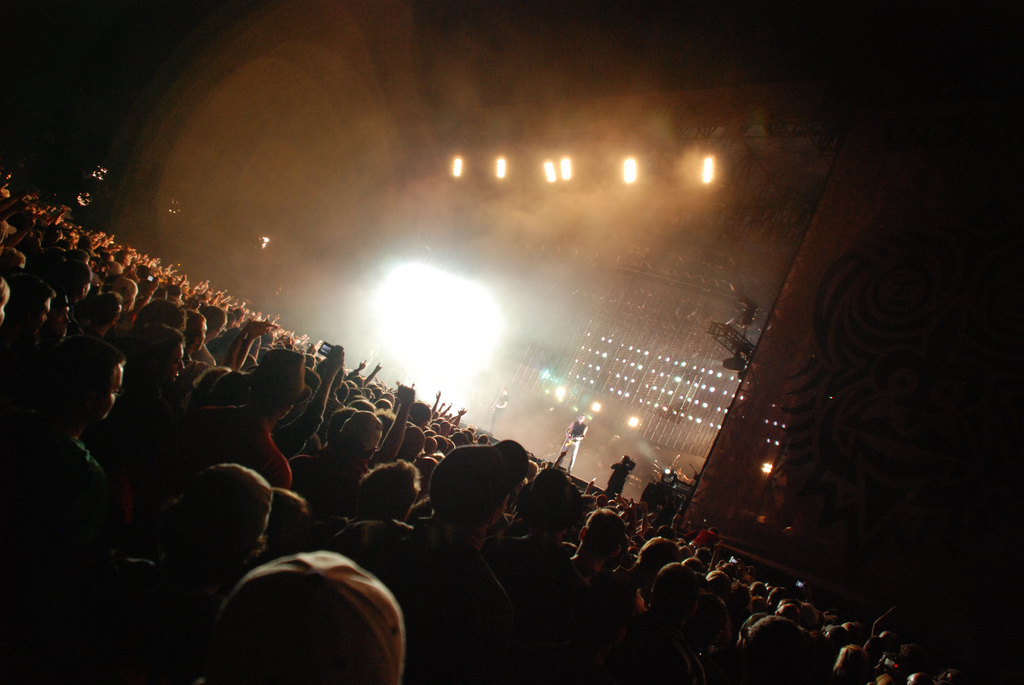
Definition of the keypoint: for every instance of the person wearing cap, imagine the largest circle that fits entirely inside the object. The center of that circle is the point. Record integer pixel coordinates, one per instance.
(458, 616)
(242, 435)
(308, 619)
(536, 569)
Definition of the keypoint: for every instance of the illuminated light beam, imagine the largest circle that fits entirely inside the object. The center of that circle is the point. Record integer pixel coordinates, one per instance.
(766, 468)
(596, 406)
(432, 356)
(501, 167)
(566, 168)
(549, 171)
(560, 393)
(709, 169)
(457, 167)
(633, 422)
(629, 170)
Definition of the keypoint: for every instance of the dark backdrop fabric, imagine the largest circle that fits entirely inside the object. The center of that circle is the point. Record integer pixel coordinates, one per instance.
(886, 389)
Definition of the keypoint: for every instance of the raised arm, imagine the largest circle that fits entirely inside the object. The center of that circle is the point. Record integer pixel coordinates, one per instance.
(354, 373)
(373, 374)
(239, 349)
(433, 410)
(396, 434)
(291, 437)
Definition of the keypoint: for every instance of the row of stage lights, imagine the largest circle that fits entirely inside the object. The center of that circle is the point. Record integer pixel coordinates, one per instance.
(564, 169)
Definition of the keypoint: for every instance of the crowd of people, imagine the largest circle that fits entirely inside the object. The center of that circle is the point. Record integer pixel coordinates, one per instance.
(193, 494)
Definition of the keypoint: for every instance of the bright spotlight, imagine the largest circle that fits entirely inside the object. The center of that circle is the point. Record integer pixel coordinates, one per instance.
(428, 356)
(709, 169)
(264, 240)
(629, 170)
(457, 167)
(633, 422)
(566, 169)
(766, 468)
(560, 393)
(549, 171)
(596, 406)
(501, 167)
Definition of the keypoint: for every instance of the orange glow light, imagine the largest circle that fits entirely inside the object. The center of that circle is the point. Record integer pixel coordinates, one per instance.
(629, 170)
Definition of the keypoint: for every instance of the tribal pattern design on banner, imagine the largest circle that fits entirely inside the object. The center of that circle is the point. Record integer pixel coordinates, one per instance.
(902, 419)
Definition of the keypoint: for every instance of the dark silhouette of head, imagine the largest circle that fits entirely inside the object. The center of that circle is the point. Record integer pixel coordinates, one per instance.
(469, 486)
(387, 492)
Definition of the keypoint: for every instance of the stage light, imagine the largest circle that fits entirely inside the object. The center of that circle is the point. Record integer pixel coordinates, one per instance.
(629, 170)
(596, 406)
(264, 240)
(566, 169)
(633, 422)
(501, 167)
(766, 468)
(549, 171)
(457, 167)
(709, 169)
(428, 358)
(560, 393)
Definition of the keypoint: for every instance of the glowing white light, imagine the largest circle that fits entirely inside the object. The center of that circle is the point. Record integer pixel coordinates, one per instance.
(549, 171)
(766, 468)
(427, 358)
(566, 169)
(501, 167)
(629, 170)
(633, 422)
(560, 393)
(457, 167)
(596, 406)
(709, 169)
(265, 240)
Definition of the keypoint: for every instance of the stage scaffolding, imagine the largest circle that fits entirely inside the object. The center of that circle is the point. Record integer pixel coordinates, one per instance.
(639, 347)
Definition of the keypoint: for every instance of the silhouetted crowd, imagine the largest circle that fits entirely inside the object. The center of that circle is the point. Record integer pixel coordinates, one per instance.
(191, 493)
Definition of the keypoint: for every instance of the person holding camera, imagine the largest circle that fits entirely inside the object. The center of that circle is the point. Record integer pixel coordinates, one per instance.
(617, 481)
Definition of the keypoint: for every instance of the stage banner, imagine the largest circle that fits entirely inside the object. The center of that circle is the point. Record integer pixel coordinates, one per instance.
(874, 449)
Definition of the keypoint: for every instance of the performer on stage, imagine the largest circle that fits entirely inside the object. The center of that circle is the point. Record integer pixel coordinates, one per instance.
(498, 408)
(617, 481)
(573, 437)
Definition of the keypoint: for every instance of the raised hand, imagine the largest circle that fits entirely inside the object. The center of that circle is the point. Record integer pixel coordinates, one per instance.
(256, 328)
(406, 394)
(335, 361)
